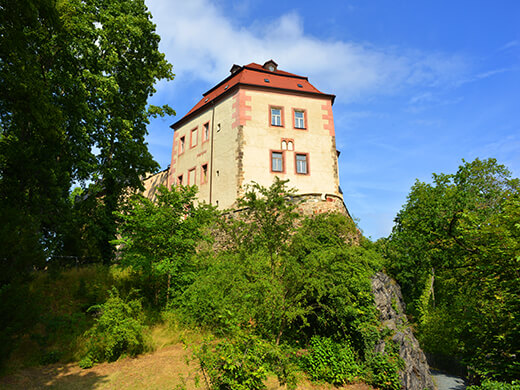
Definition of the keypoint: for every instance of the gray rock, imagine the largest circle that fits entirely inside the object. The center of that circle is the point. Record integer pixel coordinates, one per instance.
(388, 298)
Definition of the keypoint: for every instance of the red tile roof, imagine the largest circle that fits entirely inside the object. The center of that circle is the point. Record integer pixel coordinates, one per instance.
(254, 75)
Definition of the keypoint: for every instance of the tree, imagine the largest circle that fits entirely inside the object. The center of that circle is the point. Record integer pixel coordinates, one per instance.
(159, 239)
(454, 249)
(267, 220)
(289, 277)
(76, 76)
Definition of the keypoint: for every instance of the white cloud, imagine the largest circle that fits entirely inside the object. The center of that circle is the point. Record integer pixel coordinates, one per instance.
(201, 41)
(509, 45)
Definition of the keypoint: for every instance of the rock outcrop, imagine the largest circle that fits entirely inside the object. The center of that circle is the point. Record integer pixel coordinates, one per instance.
(416, 373)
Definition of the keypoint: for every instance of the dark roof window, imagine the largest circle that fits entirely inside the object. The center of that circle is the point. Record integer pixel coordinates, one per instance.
(270, 66)
(299, 85)
(267, 80)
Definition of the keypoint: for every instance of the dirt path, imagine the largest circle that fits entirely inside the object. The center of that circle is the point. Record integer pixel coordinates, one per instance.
(164, 369)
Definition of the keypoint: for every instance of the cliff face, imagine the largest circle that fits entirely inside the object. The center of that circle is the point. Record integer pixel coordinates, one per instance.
(389, 301)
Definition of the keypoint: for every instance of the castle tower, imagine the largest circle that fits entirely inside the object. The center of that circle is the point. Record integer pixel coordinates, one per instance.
(258, 123)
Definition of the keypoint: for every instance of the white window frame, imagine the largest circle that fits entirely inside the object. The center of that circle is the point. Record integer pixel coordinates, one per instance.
(302, 163)
(276, 117)
(299, 122)
(277, 162)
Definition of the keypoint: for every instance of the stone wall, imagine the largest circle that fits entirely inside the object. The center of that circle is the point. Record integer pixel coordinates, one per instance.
(311, 204)
(388, 299)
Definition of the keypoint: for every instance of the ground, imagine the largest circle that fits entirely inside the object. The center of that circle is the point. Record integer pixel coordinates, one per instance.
(167, 368)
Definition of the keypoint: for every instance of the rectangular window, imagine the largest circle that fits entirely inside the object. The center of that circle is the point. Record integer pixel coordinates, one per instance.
(191, 177)
(204, 174)
(205, 132)
(179, 180)
(276, 161)
(182, 144)
(193, 138)
(276, 116)
(299, 119)
(302, 164)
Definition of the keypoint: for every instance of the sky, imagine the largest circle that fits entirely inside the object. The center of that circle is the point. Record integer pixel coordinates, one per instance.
(419, 85)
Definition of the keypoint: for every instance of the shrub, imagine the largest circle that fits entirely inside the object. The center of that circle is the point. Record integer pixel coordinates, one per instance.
(118, 330)
(493, 385)
(237, 364)
(384, 371)
(331, 361)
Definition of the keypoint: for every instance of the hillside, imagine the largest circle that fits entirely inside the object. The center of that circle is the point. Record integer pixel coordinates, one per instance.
(166, 368)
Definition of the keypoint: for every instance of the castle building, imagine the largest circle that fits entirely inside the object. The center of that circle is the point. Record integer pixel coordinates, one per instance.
(258, 123)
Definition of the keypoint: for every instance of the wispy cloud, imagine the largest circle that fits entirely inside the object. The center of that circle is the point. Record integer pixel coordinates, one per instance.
(483, 75)
(509, 45)
(202, 41)
(427, 100)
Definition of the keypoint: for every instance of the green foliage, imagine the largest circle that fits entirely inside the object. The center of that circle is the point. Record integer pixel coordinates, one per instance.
(266, 221)
(159, 238)
(242, 362)
(234, 364)
(76, 77)
(326, 291)
(44, 319)
(331, 361)
(455, 251)
(494, 385)
(384, 371)
(18, 312)
(312, 283)
(118, 330)
(264, 298)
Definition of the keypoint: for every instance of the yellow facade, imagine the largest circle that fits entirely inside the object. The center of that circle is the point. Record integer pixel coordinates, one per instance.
(241, 139)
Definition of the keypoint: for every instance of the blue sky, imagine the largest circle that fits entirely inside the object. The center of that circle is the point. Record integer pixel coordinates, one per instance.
(419, 85)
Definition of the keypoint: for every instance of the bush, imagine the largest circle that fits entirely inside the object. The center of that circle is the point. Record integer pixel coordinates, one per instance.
(118, 330)
(331, 361)
(493, 385)
(234, 364)
(384, 371)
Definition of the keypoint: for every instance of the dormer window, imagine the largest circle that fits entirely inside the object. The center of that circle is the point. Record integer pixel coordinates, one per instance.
(235, 68)
(270, 65)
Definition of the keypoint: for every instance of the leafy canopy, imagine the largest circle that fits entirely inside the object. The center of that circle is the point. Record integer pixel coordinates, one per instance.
(76, 77)
(158, 239)
(455, 251)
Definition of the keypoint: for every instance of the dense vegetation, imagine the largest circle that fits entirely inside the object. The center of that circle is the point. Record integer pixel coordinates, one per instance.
(274, 292)
(76, 77)
(271, 284)
(455, 250)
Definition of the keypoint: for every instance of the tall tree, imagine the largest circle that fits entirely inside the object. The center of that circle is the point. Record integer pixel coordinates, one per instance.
(76, 76)
(455, 251)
